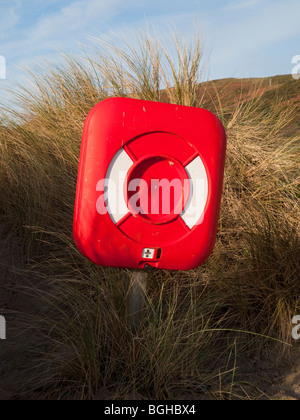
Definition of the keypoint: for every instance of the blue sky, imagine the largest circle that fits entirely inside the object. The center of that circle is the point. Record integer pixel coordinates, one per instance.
(243, 38)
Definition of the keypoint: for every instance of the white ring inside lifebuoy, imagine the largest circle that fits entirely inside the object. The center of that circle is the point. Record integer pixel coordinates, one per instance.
(116, 176)
(195, 207)
(114, 182)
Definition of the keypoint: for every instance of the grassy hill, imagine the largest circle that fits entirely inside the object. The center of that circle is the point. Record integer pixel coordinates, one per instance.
(270, 90)
(204, 333)
(283, 88)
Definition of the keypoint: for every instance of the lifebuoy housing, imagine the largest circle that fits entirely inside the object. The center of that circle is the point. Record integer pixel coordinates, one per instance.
(149, 185)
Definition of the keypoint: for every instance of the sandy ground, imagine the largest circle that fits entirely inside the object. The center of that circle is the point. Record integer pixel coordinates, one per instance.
(22, 347)
(288, 384)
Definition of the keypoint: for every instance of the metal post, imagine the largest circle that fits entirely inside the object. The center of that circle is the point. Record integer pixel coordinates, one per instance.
(136, 299)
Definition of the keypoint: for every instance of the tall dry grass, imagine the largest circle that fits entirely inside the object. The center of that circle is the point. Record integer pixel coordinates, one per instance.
(197, 326)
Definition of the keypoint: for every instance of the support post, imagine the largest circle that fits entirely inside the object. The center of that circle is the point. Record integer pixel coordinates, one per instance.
(136, 299)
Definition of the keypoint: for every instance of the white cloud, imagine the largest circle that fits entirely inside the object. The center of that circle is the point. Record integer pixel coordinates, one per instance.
(267, 26)
(64, 29)
(76, 17)
(8, 20)
(243, 5)
(254, 43)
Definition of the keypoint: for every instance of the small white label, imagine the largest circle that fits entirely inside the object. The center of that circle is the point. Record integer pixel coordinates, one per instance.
(148, 253)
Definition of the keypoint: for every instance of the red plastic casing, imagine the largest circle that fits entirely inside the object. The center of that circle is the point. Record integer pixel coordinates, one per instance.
(153, 135)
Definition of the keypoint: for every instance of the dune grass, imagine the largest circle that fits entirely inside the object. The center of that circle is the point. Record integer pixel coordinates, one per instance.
(197, 325)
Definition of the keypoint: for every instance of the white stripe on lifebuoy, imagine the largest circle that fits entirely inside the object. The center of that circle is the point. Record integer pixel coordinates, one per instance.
(194, 210)
(114, 183)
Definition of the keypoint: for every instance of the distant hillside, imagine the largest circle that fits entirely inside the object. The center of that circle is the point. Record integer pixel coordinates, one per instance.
(271, 88)
(231, 91)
